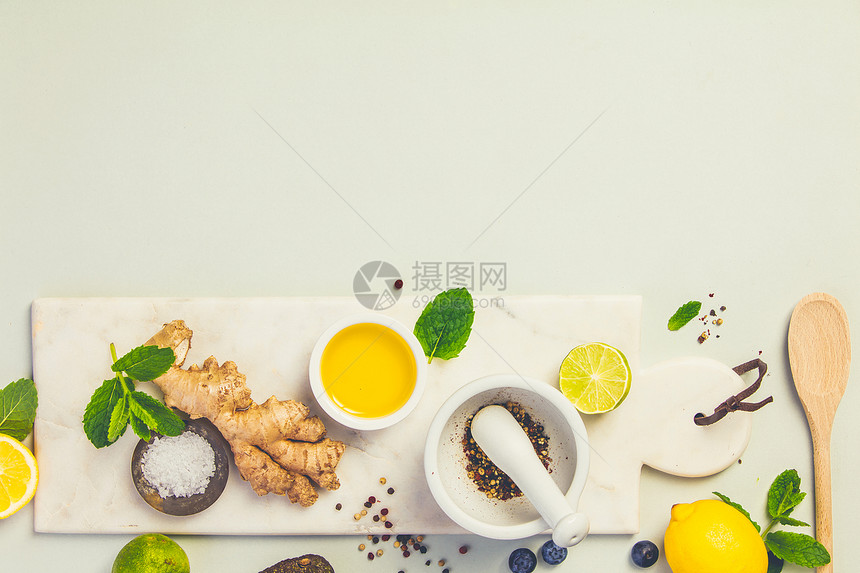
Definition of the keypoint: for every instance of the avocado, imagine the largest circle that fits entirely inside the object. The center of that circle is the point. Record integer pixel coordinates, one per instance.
(305, 564)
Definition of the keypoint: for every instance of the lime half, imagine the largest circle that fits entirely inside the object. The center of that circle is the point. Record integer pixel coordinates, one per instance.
(595, 377)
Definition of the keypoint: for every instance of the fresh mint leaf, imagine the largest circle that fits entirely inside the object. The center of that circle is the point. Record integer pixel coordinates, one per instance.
(116, 404)
(139, 427)
(145, 363)
(685, 314)
(18, 402)
(797, 548)
(737, 506)
(118, 419)
(774, 563)
(98, 412)
(784, 494)
(785, 520)
(155, 414)
(445, 324)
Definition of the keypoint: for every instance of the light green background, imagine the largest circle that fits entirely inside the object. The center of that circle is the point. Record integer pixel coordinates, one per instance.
(668, 149)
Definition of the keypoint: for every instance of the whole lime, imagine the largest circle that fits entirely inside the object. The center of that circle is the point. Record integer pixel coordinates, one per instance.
(151, 553)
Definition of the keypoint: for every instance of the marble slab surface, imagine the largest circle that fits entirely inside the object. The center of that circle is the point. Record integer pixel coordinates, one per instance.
(85, 490)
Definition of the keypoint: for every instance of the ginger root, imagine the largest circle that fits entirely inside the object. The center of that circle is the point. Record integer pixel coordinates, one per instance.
(277, 447)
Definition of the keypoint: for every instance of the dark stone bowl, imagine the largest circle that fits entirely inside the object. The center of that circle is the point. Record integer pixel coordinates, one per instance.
(194, 503)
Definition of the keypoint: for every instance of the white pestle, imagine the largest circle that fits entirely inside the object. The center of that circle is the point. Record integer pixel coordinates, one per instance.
(505, 442)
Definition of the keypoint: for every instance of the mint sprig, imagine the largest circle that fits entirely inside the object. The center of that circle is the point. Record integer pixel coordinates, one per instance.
(783, 497)
(445, 324)
(687, 312)
(18, 402)
(116, 403)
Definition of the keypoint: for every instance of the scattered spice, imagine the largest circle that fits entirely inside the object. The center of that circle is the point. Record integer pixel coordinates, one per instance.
(382, 480)
(390, 490)
(712, 317)
(464, 549)
(486, 475)
(361, 547)
(338, 507)
(398, 284)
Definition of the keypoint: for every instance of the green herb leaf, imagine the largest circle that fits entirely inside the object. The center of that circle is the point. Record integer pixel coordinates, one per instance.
(797, 548)
(685, 314)
(98, 413)
(140, 429)
(445, 324)
(145, 362)
(155, 414)
(18, 402)
(737, 506)
(774, 563)
(785, 520)
(118, 419)
(784, 494)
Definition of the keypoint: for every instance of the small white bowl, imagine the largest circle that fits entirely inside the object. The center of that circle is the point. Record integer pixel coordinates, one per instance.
(335, 411)
(445, 460)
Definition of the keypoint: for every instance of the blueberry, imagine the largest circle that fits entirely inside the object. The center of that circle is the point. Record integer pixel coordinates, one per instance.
(644, 554)
(553, 554)
(522, 560)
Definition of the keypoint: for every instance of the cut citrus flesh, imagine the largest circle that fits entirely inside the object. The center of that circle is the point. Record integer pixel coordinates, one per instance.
(19, 475)
(595, 377)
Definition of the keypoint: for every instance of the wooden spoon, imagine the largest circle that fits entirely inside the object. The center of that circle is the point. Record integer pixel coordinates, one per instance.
(819, 351)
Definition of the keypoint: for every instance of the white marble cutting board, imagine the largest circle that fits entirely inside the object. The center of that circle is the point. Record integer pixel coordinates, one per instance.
(85, 490)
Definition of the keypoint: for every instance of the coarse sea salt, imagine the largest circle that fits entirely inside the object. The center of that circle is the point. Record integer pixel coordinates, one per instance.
(179, 466)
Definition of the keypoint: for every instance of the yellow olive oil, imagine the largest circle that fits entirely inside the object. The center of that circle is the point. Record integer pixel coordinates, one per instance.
(368, 370)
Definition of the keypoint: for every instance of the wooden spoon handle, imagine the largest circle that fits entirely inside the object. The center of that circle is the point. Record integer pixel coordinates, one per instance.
(823, 502)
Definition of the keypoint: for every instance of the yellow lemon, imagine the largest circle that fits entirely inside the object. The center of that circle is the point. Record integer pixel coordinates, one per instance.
(710, 536)
(19, 475)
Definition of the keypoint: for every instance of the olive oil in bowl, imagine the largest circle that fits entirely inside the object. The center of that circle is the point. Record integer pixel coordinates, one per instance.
(367, 371)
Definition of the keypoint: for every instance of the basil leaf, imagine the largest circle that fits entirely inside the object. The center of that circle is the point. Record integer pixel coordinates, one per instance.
(155, 415)
(18, 402)
(445, 324)
(145, 362)
(784, 494)
(738, 507)
(797, 548)
(99, 410)
(684, 314)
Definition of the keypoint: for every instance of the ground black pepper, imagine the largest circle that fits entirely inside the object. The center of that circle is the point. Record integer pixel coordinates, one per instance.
(486, 475)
